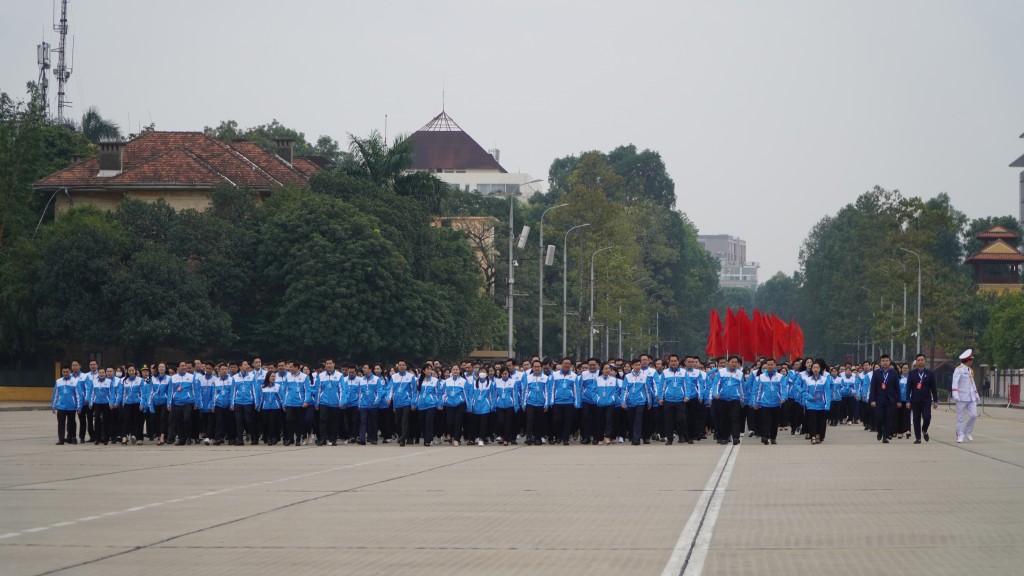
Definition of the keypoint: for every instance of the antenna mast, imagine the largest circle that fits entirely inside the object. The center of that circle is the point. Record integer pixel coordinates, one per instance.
(43, 60)
(62, 71)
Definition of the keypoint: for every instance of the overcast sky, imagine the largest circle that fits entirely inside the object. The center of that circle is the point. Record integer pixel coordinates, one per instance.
(768, 114)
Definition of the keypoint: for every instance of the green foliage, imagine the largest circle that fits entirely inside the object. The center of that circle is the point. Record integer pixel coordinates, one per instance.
(643, 175)
(264, 135)
(1003, 342)
(98, 129)
(972, 245)
(779, 295)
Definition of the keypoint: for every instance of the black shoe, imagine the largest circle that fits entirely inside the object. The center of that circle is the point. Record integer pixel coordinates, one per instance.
(735, 441)
(565, 443)
(925, 436)
(401, 442)
(647, 441)
(917, 441)
(668, 442)
(689, 441)
(179, 443)
(773, 441)
(764, 441)
(635, 443)
(361, 442)
(60, 442)
(886, 441)
(585, 441)
(878, 436)
(374, 442)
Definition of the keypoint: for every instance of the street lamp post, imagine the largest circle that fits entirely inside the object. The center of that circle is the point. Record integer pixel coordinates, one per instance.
(540, 284)
(592, 256)
(511, 263)
(918, 297)
(904, 306)
(565, 285)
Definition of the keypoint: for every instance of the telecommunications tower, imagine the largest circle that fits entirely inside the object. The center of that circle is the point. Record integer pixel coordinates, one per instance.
(62, 71)
(43, 60)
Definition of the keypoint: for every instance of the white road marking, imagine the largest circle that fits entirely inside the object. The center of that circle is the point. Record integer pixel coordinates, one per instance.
(204, 494)
(691, 537)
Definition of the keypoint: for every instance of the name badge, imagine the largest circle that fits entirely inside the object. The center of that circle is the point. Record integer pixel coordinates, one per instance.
(883, 385)
(918, 386)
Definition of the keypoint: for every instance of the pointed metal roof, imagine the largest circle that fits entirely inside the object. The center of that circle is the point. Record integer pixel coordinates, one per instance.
(441, 123)
(443, 145)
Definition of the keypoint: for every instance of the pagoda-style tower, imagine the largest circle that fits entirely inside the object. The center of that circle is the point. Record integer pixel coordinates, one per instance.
(997, 265)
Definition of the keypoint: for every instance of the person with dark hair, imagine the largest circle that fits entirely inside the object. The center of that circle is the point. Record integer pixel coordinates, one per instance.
(350, 403)
(564, 399)
(428, 402)
(884, 395)
(506, 404)
(270, 407)
(295, 392)
(867, 414)
(328, 401)
(131, 407)
(902, 424)
(817, 400)
(480, 404)
(454, 394)
(158, 400)
(636, 396)
(222, 392)
(403, 396)
(923, 397)
(608, 392)
(767, 393)
(103, 390)
(673, 401)
(588, 374)
(245, 394)
(794, 407)
(181, 402)
(206, 387)
(385, 414)
(847, 385)
(535, 403)
(369, 391)
(728, 394)
(65, 403)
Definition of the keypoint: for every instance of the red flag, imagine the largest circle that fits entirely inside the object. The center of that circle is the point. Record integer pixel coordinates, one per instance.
(758, 335)
(796, 340)
(780, 346)
(732, 332)
(715, 342)
(767, 335)
(747, 335)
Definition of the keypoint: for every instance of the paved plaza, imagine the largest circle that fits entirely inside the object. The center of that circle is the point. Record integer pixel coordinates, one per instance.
(848, 506)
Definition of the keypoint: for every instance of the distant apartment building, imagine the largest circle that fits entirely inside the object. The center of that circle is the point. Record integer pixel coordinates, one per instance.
(731, 252)
(1019, 163)
(449, 153)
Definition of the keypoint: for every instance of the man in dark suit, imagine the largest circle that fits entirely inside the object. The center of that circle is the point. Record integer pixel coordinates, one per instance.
(923, 397)
(885, 390)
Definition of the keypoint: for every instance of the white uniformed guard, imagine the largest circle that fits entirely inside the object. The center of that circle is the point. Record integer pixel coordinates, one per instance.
(965, 393)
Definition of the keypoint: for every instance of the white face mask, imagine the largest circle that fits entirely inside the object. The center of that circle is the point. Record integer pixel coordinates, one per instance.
(119, 374)
(482, 375)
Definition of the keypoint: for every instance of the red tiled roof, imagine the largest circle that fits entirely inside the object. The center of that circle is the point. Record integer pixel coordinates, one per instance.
(981, 257)
(174, 158)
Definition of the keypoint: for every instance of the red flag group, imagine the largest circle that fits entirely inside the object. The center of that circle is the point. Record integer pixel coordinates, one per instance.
(753, 336)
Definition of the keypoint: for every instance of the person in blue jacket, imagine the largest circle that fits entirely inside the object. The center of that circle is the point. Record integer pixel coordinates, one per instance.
(902, 426)
(454, 393)
(864, 396)
(403, 393)
(636, 395)
(481, 405)
(244, 397)
(102, 389)
(535, 402)
(608, 397)
(794, 398)
(672, 399)
(206, 393)
(817, 400)
(728, 395)
(885, 390)
(66, 403)
(181, 401)
(767, 392)
(131, 407)
(385, 414)
(159, 391)
(223, 419)
(350, 403)
(271, 407)
(588, 402)
(369, 391)
(328, 402)
(506, 405)
(564, 399)
(428, 402)
(294, 392)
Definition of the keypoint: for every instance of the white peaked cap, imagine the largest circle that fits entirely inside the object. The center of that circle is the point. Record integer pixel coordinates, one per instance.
(968, 354)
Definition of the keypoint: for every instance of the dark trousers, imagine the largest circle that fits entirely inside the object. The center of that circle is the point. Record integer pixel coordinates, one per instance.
(730, 419)
(696, 415)
(245, 421)
(505, 419)
(750, 419)
(867, 415)
(386, 421)
(330, 416)
(426, 418)
(402, 420)
(272, 419)
(350, 426)
(161, 415)
(673, 420)
(921, 411)
(101, 422)
(816, 423)
(179, 423)
(882, 414)
(795, 415)
(901, 424)
(652, 419)
(769, 421)
(587, 414)
(534, 423)
(454, 416)
(207, 424)
(220, 418)
(477, 426)
(368, 424)
(563, 414)
(293, 418)
(604, 422)
(131, 420)
(850, 409)
(85, 423)
(65, 425)
(635, 419)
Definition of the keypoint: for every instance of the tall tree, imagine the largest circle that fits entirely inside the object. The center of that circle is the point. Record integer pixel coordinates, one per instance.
(99, 129)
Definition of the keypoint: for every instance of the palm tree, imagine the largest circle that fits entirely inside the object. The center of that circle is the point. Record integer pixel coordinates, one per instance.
(373, 160)
(97, 128)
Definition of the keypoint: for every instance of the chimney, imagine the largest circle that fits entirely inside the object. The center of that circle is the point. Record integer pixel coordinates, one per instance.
(496, 154)
(285, 146)
(111, 158)
(76, 158)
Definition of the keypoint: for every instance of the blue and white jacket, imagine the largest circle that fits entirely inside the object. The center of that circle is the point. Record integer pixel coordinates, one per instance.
(403, 389)
(103, 389)
(636, 389)
(206, 386)
(294, 389)
(608, 391)
(674, 385)
(428, 394)
(65, 395)
(588, 383)
(769, 389)
(329, 388)
(535, 390)
(563, 388)
(506, 394)
(224, 388)
(454, 392)
(481, 393)
(817, 392)
(131, 391)
(729, 385)
(245, 390)
(270, 397)
(369, 391)
(350, 391)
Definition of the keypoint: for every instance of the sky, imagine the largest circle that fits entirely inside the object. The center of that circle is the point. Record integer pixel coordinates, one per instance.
(769, 115)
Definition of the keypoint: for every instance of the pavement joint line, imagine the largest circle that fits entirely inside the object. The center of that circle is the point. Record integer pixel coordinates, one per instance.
(284, 506)
(195, 496)
(983, 435)
(684, 545)
(695, 564)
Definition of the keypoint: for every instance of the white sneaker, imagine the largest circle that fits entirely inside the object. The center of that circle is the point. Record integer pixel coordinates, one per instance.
(619, 440)
(479, 442)
(959, 439)
(207, 442)
(970, 438)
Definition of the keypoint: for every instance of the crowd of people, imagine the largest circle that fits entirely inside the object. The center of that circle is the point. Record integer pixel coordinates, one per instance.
(538, 402)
